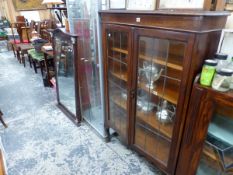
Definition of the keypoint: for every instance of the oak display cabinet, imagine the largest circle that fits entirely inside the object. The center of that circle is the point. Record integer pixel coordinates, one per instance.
(150, 61)
(208, 136)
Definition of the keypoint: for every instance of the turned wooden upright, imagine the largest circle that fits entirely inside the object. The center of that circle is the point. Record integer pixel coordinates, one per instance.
(1, 119)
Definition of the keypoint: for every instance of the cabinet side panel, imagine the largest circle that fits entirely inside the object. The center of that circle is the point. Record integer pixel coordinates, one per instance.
(204, 48)
(198, 117)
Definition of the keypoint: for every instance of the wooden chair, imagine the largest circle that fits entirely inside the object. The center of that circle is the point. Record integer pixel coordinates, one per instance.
(22, 48)
(37, 58)
(20, 23)
(13, 38)
(46, 24)
(19, 46)
(23, 38)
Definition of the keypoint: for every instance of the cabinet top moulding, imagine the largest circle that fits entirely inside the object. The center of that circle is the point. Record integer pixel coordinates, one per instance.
(219, 96)
(186, 21)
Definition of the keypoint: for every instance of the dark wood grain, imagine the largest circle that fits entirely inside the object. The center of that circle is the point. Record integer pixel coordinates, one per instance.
(108, 119)
(204, 102)
(169, 12)
(200, 32)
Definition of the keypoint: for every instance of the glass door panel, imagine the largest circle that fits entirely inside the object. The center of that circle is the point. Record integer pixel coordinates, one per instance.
(84, 21)
(217, 156)
(160, 66)
(117, 58)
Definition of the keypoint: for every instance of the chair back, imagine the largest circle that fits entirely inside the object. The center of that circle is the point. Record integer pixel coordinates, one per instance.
(31, 29)
(47, 24)
(46, 35)
(14, 37)
(20, 22)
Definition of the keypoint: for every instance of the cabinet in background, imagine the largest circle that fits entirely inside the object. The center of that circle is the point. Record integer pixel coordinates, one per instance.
(207, 147)
(150, 61)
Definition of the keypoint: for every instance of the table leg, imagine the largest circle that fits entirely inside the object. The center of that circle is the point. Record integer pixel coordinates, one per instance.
(23, 58)
(13, 49)
(18, 56)
(34, 65)
(1, 119)
(30, 60)
(41, 67)
(47, 68)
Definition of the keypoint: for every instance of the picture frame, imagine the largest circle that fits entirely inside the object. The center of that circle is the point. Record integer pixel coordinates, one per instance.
(229, 5)
(225, 44)
(117, 4)
(141, 5)
(229, 1)
(181, 4)
(28, 5)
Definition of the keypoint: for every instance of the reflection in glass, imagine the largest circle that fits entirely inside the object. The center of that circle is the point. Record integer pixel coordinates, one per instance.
(217, 156)
(160, 65)
(83, 20)
(65, 72)
(117, 80)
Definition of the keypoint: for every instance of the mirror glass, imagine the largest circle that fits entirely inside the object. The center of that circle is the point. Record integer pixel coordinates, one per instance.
(65, 72)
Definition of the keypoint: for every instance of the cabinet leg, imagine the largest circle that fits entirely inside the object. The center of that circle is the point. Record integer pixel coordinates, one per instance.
(107, 139)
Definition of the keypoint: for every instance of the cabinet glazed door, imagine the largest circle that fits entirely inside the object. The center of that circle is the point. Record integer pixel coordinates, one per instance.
(162, 62)
(117, 63)
(217, 153)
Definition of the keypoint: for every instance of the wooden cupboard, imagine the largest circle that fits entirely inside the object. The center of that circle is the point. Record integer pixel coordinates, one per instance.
(207, 146)
(150, 61)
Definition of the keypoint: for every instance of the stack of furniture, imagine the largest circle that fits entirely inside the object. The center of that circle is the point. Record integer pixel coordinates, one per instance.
(3, 34)
(42, 58)
(150, 61)
(21, 45)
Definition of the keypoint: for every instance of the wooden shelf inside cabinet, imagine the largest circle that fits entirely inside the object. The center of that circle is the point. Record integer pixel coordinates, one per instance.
(160, 61)
(173, 64)
(169, 94)
(120, 50)
(120, 76)
(120, 102)
(150, 119)
(209, 153)
(212, 154)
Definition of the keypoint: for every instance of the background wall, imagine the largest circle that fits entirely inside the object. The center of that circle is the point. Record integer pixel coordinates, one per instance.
(229, 24)
(7, 9)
